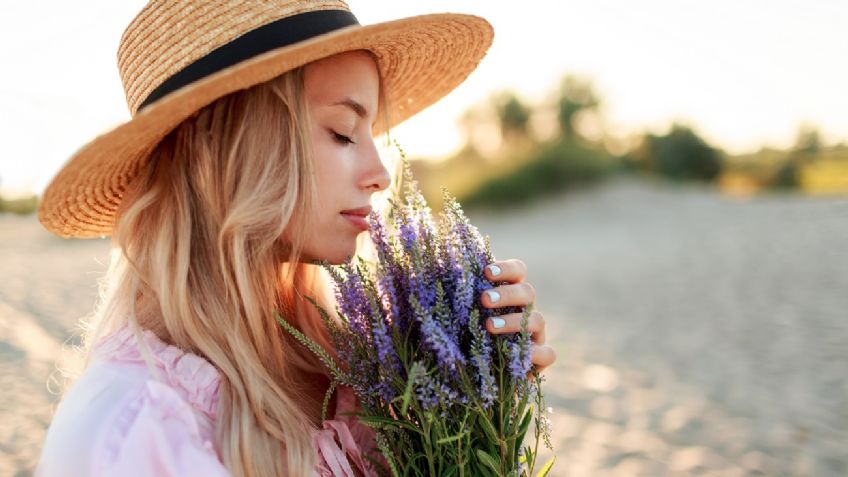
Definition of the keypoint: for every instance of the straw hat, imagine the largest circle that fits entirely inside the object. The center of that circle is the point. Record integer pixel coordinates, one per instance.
(178, 56)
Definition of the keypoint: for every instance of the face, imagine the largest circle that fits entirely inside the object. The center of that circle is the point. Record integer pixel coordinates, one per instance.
(341, 95)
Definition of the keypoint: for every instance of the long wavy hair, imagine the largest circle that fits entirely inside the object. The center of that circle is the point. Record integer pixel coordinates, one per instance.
(197, 258)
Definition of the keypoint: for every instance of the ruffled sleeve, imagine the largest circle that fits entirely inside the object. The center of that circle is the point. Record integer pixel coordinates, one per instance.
(157, 434)
(343, 442)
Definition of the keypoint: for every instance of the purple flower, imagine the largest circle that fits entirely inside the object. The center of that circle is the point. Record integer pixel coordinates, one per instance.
(460, 280)
(463, 298)
(446, 350)
(414, 343)
(426, 390)
(519, 359)
(481, 351)
(352, 300)
(386, 275)
(432, 392)
(421, 290)
(388, 361)
(408, 231)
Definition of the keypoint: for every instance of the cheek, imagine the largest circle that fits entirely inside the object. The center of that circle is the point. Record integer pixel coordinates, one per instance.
(331, 177)
(332, 173)
(326, 182)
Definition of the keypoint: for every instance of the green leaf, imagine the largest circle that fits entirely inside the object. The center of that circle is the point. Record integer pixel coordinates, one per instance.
(488, 461)
(320, 308)
(525, 424)
(445, 440)
(316, 349)
(487, 426)
(387, 453)
(416, 370)
(522, 405)
(327, 396)
(546, 468)
(384, 421)
(529, 457)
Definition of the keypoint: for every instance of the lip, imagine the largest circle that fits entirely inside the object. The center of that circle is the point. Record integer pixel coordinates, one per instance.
(361, 211)
(357, 217)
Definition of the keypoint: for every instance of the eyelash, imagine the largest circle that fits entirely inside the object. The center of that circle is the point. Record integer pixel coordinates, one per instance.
(341, 138)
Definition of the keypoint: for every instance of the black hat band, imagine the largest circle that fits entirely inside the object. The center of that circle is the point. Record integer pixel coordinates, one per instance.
(283, 32)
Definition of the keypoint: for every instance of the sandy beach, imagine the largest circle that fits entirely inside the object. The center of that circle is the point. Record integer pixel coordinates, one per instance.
(696, 334)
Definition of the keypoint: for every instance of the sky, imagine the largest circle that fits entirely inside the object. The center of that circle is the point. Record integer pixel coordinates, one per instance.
(743, 74)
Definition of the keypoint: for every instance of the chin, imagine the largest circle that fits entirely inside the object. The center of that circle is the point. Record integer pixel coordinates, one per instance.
(333, 260)
(340, 261)
(333, 257)
(341, 258)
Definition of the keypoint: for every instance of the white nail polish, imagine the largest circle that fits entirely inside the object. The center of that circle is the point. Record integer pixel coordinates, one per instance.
(494, 270)
(494, 296)
(498, 323)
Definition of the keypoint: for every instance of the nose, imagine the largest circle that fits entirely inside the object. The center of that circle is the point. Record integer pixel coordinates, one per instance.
(376, 177)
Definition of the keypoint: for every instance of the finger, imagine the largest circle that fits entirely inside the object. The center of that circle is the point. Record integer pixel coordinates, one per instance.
(512, 271)
(516, 294)
(511, 323)
(542, 356)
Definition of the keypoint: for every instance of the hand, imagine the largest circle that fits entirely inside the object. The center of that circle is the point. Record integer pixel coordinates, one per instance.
(516, 293)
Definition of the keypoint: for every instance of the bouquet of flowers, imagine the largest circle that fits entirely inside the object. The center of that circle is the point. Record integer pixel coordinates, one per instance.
(451, 398)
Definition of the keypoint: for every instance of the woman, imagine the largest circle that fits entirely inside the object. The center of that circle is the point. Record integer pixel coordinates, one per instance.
(250, 155)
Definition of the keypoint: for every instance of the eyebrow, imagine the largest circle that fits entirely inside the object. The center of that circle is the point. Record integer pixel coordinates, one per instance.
(355, 106)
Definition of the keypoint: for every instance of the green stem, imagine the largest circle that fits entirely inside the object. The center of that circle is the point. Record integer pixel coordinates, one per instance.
(501, 430)
(428, 447)
(537, 420)
(459, 456)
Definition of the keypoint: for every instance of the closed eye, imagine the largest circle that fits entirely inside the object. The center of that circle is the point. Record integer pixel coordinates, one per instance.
(341, 138)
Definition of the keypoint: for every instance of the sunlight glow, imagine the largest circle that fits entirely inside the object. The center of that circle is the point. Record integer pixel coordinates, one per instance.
(744, 74)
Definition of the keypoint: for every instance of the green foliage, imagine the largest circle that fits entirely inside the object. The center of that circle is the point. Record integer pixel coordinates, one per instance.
(553, 168)
(683, 155)
(484, 442)
(808, 140)
(575, 95)
(808, 147)
(547, 467)
(513, 115)
(787, 176)
(338, 375)
(809, 165)
(22, 206)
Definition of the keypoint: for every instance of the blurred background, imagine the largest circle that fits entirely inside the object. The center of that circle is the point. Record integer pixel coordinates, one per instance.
(675, 175)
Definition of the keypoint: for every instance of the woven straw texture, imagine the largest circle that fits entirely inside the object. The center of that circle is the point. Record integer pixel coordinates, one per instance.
(421, 59)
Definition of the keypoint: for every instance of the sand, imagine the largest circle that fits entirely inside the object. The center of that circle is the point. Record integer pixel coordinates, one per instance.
(696, 334)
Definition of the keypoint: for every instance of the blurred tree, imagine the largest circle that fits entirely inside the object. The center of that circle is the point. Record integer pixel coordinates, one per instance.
(788, 176)
(468, 123)
(513, 116)
(808, 140)
(808, 146)
(553, 167)
(575, 95)
(682, 154)
(638, 158)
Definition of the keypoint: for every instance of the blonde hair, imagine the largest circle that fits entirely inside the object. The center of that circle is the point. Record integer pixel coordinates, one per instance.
(198, 259)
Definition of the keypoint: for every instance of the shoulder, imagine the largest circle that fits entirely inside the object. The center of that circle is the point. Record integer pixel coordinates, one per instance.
(117, 420)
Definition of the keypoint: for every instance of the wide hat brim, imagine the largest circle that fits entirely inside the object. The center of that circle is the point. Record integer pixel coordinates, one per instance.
(421, 59)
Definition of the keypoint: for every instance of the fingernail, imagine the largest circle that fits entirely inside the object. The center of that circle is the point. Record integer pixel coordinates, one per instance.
(494, 296)
(498, 323)
(494, 270)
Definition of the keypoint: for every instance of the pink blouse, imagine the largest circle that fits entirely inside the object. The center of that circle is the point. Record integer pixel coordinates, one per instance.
(120, 419)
